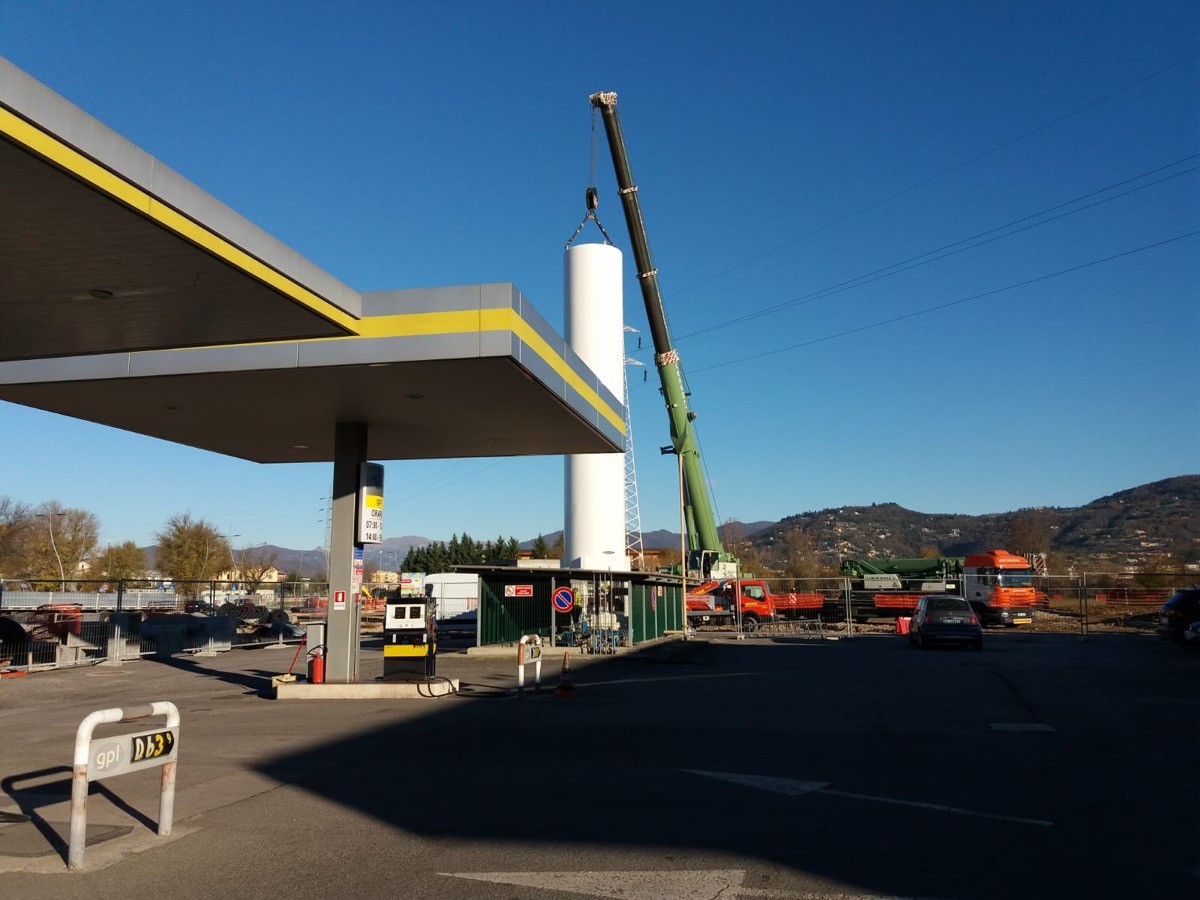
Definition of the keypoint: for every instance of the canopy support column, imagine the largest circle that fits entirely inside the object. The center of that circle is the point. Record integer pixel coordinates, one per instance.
(345, 555)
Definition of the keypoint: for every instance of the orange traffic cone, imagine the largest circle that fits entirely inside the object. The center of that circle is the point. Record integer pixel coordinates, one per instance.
(566, 687)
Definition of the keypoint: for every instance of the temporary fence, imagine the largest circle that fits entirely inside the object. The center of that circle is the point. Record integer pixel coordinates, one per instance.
(1083, 602)
(59, 624)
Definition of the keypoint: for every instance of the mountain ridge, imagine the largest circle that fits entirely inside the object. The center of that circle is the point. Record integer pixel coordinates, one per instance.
(1135, 527)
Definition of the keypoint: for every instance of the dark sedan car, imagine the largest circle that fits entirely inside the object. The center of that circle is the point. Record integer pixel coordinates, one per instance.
(944, 619)
(1178, 613)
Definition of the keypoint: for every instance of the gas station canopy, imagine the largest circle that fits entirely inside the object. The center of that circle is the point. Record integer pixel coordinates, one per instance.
(131, 298)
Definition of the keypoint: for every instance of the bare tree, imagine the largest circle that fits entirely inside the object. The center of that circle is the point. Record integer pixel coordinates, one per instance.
(253, 566)
(751, 560)
(1030, 531)
(15, 522)
(669, 556)
(798, 557)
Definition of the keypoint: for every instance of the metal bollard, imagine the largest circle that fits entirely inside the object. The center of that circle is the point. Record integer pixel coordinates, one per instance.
(120, 754)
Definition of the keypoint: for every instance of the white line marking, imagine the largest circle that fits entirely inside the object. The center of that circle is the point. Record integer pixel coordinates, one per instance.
(592, 684)
(794, 788)
(686, 884)
(1023, 726)
(956, 810)
(789, 786)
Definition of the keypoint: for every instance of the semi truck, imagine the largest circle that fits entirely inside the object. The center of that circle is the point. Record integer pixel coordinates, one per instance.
(997, 584)
(711, 603)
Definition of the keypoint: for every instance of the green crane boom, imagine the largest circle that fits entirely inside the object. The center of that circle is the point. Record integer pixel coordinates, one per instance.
(704, 542)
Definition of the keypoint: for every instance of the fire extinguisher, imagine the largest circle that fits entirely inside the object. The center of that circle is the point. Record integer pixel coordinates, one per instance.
(316, 665)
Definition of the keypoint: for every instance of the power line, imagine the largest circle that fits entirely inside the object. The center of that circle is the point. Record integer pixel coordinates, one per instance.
(942, 306)
(980, 239)
(954, 168)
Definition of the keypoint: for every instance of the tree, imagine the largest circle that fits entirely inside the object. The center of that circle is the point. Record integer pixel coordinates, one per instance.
(15, 521)
(1030, 531)
(540, 549)
(253, 565)
(669, 557)
(119, 562)
(190, 550)
(797, 554)
(59, 540)
(751, 560)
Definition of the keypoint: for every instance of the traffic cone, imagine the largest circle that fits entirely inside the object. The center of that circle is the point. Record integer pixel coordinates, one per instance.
(566, 687)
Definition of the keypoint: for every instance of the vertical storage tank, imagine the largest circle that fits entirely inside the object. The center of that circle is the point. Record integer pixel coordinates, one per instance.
(594, 524)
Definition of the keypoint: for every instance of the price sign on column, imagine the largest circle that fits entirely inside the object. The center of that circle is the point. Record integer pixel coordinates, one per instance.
(370, 504)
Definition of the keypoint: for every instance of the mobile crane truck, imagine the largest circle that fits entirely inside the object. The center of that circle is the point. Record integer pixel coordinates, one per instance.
(711, 603)
(707, 558)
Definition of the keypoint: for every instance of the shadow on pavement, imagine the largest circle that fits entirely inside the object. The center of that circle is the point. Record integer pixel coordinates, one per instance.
(34, 797)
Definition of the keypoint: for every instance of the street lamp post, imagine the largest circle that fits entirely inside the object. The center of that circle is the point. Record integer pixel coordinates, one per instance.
(232, 562)
(49, 517)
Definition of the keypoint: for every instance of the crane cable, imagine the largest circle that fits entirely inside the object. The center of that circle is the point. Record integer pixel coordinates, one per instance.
(591, 197)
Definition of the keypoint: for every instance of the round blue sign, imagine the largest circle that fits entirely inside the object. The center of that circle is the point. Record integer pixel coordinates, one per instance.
(563, 599)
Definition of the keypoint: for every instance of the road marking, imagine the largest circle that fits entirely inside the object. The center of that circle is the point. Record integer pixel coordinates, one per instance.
(1023, 726)
(592, 684)
(693, 884)
(794, 788)
(789, 786)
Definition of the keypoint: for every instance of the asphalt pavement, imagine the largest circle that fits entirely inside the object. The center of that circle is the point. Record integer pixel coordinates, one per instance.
(783, 767)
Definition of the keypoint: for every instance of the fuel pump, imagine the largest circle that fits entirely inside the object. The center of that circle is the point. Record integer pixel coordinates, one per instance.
(409, 638)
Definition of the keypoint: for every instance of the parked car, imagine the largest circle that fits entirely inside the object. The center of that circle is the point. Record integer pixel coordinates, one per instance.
(1191, 637)
(944, 618)
(1180, 611)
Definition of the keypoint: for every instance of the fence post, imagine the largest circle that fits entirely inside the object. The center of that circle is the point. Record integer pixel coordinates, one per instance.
(1083, 610)
(849, 607)
(1, 593)
(116, 652)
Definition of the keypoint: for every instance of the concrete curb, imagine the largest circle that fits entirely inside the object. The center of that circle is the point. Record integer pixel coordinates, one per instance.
(383, 690)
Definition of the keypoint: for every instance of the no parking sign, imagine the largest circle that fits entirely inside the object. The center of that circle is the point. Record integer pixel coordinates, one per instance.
(563, 599)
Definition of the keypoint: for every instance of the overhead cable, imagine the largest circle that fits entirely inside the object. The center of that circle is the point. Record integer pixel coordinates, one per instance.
(946, 250)
(954, 168)
(941, 306)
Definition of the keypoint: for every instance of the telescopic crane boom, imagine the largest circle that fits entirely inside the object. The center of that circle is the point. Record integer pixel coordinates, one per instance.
(704, 542)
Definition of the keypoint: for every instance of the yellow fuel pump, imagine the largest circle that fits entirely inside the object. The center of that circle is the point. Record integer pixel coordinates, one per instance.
(409, 638)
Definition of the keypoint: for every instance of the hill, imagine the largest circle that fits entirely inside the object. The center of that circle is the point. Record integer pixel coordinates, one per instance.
(1132, 528)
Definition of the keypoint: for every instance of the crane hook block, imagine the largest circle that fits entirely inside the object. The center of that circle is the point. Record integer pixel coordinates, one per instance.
(592, 199)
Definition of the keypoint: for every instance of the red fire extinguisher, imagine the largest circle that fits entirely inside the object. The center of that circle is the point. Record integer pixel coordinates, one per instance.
(316, 665)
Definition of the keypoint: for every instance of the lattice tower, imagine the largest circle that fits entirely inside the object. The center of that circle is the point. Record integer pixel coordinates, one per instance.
(633, 513)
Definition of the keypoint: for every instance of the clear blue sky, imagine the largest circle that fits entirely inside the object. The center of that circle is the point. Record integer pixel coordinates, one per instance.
(781, 149)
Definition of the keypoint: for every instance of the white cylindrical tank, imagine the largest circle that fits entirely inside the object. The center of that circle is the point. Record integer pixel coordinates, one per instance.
(594, 524)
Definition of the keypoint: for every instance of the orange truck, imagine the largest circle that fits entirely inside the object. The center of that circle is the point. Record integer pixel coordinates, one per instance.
(711, 603)
(999, 587)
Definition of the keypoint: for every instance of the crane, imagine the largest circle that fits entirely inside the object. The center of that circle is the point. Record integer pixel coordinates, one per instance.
(707, 556)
